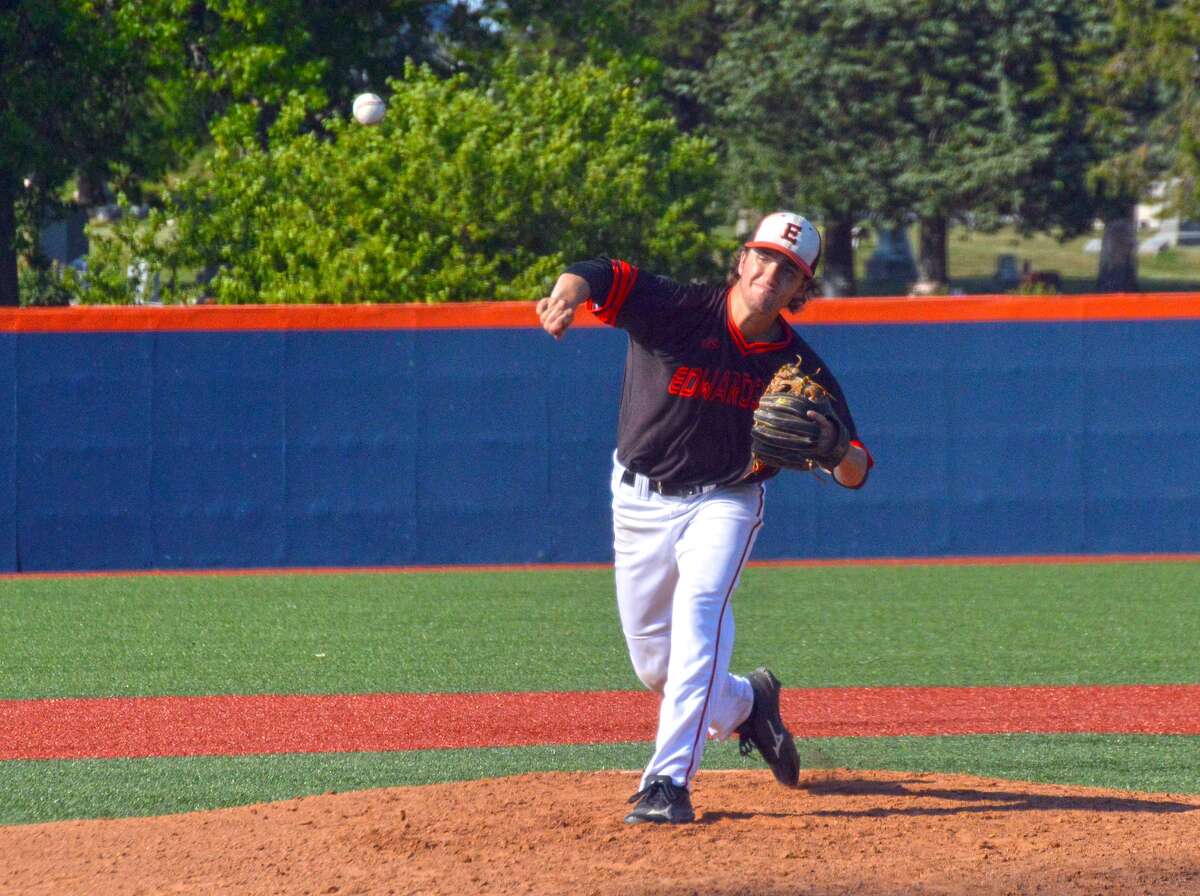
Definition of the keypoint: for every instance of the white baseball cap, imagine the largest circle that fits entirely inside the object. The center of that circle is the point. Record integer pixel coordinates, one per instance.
(791, 234)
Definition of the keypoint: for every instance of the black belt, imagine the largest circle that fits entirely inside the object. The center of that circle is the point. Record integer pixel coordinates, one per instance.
(666, 489)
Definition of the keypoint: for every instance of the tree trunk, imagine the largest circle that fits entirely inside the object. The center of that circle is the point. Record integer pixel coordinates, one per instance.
(1118, 252)
(837, 279)
(932, 265)
(9, 295)
(90, 188)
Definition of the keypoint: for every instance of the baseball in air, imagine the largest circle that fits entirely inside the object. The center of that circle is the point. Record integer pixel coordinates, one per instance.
(368, 108)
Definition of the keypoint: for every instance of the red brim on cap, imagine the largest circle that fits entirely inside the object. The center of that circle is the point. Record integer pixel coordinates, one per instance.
(775, 247)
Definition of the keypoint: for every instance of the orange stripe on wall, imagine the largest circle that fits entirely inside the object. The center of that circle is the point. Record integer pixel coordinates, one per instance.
(1002, 309)
(521, 315)
(173, 318)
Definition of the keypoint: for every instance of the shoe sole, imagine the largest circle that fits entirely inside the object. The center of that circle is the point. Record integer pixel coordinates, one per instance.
(642, 819)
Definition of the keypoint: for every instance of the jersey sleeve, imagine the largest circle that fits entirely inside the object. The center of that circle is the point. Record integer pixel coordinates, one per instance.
(634, 300)
(610, 281)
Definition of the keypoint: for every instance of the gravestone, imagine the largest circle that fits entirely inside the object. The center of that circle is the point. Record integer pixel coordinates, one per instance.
(1007, 274)
(893, 256)
(63, 240)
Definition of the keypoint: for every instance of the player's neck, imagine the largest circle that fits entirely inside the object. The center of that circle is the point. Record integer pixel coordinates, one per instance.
(755, 326)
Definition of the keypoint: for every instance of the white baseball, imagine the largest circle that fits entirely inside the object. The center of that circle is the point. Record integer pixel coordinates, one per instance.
(368, 108)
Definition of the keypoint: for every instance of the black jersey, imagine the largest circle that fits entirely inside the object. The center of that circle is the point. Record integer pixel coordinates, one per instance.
(692, 380)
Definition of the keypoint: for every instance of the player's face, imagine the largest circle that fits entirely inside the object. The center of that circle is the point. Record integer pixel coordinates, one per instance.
(770, 280)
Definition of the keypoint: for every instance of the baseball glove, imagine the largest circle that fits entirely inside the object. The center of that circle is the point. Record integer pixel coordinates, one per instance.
(783, 435)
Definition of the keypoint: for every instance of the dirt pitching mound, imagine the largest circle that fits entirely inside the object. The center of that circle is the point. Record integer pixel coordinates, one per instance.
(843, 832)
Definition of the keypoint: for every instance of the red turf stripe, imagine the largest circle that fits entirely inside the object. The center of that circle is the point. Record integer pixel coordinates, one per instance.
(237, 725)
(1111, 709)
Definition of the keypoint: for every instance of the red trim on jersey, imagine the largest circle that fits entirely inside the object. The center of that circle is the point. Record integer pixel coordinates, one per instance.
(624, 276)
(870, 464)
(754, 348)
(857, 444)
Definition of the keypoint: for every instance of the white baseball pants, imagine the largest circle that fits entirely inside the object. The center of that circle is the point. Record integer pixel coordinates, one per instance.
(678, 561)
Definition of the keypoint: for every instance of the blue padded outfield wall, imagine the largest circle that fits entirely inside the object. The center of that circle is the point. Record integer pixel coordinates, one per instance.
(197, 448)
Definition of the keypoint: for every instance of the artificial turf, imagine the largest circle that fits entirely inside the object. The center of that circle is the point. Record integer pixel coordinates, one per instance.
(45, 791)
(557, 630)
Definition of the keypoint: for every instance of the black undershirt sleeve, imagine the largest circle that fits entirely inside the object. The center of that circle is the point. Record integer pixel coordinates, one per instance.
(598, 274)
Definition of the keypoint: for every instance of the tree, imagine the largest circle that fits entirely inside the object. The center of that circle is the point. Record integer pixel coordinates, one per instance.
(1160, 38)
(668, 43)
(230, 54)
(929, 110)
(70, 72)
(1146, 121)
(819, 137)
(462, 192)
(115, 90)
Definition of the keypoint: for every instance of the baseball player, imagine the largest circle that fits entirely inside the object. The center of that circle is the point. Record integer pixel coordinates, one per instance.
(688, 494)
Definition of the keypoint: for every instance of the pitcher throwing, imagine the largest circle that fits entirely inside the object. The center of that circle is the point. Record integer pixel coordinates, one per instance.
(688, 490)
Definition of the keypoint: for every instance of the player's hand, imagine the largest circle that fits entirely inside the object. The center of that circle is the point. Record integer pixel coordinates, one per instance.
(557, 310)
(830, 433)
(556, 314)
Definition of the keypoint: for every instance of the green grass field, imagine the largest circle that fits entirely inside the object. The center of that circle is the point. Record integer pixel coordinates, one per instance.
(557, 630)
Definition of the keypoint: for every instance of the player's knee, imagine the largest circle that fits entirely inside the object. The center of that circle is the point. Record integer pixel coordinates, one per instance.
(650, 657)
(655, 679)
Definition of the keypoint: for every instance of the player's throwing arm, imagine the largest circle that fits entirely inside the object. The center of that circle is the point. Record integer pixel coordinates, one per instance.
(557, 310)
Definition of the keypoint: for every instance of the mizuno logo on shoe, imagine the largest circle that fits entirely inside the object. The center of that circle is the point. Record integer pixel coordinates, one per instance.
(777, 735)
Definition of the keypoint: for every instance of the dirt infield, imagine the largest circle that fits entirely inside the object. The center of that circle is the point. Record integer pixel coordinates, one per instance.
(843, 832)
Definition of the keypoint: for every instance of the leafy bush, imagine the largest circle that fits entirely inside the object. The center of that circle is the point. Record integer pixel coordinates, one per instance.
(462, 192)
(43, 286)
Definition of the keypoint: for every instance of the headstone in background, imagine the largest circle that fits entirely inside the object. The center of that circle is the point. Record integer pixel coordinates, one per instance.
(1171, 232)
(1189, 233)
(145, 282)
(63, 240)
(1007, 274)
(893, 256)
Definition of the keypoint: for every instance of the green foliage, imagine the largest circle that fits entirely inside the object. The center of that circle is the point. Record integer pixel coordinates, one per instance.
(1160, 39)
(666, 44)
(817, 136)
(71, 80)
(115, 252)
(220, 55)
(462, 192)
(892, 108)
(1035, 289)
(62, 64)
(43, 287)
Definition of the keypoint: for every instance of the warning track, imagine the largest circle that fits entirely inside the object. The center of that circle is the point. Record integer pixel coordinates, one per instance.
(129, 727)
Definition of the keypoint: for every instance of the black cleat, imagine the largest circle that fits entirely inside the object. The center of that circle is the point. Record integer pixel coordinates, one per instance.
(764, 730)
(661, 801)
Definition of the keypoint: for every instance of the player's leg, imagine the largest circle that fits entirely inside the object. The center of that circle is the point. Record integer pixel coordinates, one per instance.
(644, 535)
(700, 692)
